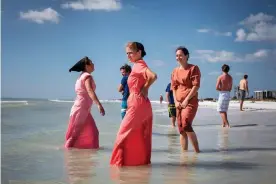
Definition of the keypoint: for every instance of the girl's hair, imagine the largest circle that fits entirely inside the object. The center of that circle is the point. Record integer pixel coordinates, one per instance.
(225, 68)
(137, 46)
(184, 50)
(80, 65)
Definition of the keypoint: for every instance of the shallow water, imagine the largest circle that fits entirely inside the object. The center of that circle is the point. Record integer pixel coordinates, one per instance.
(33, 134)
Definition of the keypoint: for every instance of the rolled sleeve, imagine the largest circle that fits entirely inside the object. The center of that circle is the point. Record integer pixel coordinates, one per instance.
(195, 76)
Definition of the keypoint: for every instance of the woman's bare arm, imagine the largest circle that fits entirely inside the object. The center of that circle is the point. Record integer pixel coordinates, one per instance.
(151, 77)
(192, 93)
(93, 95)
(91, 92)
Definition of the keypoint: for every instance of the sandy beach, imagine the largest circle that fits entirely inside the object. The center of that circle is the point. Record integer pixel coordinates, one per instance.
(248, 105)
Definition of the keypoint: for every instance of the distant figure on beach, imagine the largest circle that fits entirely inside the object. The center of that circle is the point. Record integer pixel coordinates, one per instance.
(123, 88)
(185, 82)
(224, 86)
(82, 131)
(238, 92)
(133, 143)
(161, 98)
(171, 105)
(243, 90)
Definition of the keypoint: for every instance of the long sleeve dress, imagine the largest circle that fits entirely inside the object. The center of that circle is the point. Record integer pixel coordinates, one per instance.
(133, 143)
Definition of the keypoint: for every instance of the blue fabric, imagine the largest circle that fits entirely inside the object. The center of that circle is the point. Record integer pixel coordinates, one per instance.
(168, 89)
(123, 108)
(125, 88)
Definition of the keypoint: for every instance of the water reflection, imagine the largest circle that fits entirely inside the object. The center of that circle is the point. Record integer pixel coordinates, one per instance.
(173, 140)
(223, 139)
(133, 175)
(80, 165)
(180, 168)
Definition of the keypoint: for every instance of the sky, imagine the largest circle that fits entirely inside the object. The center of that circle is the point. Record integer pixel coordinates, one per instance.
(42, 39)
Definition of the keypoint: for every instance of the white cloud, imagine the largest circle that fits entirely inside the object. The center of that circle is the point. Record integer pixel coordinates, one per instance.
(205, 30)
(214, 73)
(217, 56)
(41, 17)
(253, 19)
(205, 51)
(260, 54)
(241, 35)
(108, 5)
(223, 33)
(259, 27)
(158, 63)
(226, 56)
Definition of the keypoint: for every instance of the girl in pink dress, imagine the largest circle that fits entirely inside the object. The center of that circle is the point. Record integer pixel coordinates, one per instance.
(82, 130)
(133, 143)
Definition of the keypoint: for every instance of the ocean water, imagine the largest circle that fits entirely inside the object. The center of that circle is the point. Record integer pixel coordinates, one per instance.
(33, 136)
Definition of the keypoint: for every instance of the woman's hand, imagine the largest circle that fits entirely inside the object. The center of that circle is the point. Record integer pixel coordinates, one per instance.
(184, 103)
(101, 109)
(144, 92)
(177, 105)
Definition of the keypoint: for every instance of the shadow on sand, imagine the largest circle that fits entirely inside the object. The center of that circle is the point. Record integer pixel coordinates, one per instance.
(244, 125)
(270, 125)
(237, 150)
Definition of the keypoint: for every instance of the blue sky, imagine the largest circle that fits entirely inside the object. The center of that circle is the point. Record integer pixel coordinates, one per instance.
(42, 39)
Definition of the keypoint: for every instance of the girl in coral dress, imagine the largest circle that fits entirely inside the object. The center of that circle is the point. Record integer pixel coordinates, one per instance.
(185, 82)
(82, 130)
(133, 143)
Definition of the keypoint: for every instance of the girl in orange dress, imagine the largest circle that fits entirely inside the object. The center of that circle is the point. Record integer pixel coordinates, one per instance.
(133, 143)
(185, 82)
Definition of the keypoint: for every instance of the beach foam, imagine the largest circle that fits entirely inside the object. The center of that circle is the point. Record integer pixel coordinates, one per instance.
(62, 101)
(259, 105)
(15, 102)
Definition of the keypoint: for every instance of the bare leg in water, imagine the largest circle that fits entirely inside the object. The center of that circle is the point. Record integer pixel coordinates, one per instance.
(224, 119)
(241, 105)
(184, 141)
(173, 121)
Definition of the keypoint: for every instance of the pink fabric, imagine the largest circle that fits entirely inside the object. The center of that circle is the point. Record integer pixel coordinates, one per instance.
(82, 131)
(133, 143)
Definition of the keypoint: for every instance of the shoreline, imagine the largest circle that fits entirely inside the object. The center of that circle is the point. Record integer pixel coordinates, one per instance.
(234, 104)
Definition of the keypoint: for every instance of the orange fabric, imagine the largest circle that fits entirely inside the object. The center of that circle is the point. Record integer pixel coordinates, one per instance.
(182, 81)
(133, 143)
(225, 82)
